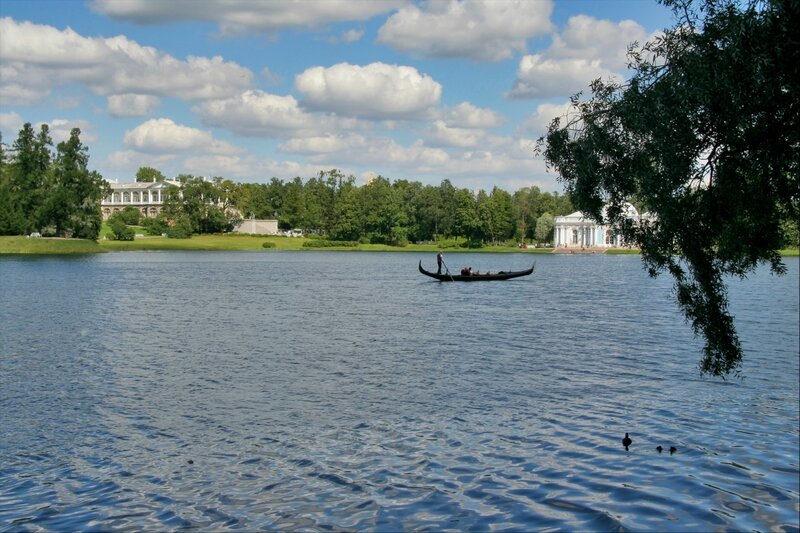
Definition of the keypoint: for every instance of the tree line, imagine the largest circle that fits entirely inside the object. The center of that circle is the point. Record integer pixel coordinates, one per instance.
(48, 191)
(53, 192)
(401, 211)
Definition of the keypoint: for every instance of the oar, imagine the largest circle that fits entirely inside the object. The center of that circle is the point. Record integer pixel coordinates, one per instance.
(447, 268)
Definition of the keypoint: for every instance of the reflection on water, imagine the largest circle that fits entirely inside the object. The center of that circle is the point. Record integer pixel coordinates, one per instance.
(326, 390)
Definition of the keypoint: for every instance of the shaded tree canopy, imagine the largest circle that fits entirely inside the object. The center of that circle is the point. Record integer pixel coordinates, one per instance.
(704, 136)
(149, 174)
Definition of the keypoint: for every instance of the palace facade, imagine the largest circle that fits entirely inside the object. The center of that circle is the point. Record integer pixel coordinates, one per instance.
(147, 197)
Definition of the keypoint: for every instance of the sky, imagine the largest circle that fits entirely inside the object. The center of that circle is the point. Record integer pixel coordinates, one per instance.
(252, 90)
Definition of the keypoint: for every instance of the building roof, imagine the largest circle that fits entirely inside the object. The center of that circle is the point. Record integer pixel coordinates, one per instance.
(142, 185)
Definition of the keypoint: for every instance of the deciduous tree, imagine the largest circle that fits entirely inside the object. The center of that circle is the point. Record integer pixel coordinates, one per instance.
(705, 135)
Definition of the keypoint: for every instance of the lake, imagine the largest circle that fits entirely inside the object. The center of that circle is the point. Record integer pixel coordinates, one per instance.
(322, 390)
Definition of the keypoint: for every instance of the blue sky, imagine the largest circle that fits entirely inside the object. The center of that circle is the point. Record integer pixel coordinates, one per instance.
(251, 90)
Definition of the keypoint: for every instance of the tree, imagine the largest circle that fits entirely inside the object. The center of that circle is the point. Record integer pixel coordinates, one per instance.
(705, 136)
(149, 174)
(544, 227)
(72, 205)
(28, 175)
(199, 206)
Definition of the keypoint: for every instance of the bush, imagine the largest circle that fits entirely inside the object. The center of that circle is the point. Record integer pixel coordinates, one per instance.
(268, 244)
(119, 231)
(155, 226)
(321, 243)
(180, 229)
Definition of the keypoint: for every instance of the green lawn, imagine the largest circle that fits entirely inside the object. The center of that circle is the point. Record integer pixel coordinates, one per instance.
(44, 246)
(24, 245)
(247, 242)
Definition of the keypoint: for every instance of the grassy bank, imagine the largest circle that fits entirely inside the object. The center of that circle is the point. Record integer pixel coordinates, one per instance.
(24, 245)
(45, 246)
(247, 242)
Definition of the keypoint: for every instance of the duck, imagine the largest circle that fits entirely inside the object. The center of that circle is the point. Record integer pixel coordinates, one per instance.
(660, 449)
(672, 449)
(626, 441)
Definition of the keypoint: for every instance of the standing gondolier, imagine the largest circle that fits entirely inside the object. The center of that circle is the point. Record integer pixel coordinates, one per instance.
(439, 262)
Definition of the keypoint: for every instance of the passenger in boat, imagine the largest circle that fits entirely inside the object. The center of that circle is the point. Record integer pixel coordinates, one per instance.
(464, 271)
(439, 261)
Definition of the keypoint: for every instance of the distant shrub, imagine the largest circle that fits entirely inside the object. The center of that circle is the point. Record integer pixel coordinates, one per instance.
(154, 226)
(119, 231)
(180, 229)
(268, 244)
(321, 243)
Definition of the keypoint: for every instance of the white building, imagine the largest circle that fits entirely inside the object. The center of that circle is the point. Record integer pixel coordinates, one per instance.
(255, 226)
(579, 231)
(147, 197)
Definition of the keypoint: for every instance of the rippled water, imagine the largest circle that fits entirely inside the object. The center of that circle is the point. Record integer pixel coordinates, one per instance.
(312, 391)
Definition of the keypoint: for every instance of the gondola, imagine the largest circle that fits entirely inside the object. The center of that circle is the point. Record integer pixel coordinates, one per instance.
(495, 276)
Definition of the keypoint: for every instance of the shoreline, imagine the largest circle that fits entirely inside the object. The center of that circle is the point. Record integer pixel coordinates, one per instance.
(21, 245)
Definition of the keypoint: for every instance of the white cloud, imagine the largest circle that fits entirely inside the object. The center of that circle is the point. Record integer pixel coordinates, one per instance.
(131, 105)
(602, 40)
(322, 144)
(248, 167)
(35, 58)
(162, 135)
(442, 134)
(375, 91)
(466, 115)
(351, 36)
(131, 160)
(10, 124)
(587, 49)
(241, 16)
(540, 77)
(483, 30)
(537, 123)
(60, 130)
(259, 114)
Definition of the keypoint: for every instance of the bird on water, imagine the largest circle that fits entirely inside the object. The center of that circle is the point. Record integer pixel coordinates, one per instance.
(626, 441)
(660, 449)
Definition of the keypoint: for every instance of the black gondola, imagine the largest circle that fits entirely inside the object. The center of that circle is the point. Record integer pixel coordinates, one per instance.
(496, 276)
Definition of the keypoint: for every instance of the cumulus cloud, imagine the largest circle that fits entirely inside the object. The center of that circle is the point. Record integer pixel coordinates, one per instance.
(322, 144)
(131, 105)
(482, 30)
(10, 124)
(537, 123)
(351, 36)
(248, 167)
(587, 49)
(466, 115)
(256, 113)
(241, 16)
(35, 58)
(162, 135)
(353, 149)
(60, 129)
(375, 91)
(131, 160)
(442, 134)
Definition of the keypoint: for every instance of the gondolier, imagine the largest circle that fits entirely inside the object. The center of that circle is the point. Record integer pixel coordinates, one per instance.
(439, 261)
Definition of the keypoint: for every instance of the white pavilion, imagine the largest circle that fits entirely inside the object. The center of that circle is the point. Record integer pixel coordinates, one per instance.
(577, 230)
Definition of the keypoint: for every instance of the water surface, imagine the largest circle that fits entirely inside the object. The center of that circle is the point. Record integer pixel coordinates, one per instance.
(315, 391)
